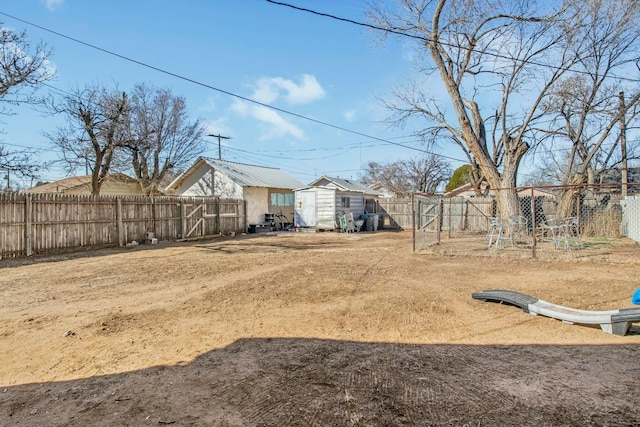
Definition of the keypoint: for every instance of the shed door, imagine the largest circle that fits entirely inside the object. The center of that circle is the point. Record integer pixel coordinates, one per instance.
(306, 209)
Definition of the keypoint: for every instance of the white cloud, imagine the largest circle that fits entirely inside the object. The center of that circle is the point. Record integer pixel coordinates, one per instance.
(53, 4)
(269, 89)
(276, 125)
(218, 126)
(350, 115)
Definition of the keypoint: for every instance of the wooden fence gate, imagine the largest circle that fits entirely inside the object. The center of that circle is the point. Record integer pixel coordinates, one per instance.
(205, 217)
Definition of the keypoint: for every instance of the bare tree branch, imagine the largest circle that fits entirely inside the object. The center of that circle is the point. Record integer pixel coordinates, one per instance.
(97, 130)
(22, 71)
(162, 138)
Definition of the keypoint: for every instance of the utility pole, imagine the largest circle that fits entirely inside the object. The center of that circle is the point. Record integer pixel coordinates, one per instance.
(219, 138)
(623, 144)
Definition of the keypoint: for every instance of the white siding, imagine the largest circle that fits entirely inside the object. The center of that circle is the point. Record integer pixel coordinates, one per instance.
(326, 208)
(356, 203)
(305, 208)
(205, 182)
(257, 204)
(325, 183)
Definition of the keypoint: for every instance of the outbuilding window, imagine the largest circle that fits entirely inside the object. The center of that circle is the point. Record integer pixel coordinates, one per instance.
(282, 199)
(345, 202)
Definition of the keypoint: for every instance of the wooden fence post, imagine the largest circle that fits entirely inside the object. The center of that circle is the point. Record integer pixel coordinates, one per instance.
(413, 222)
(465, 214)
(440, 219)
(218, 231)
(28, 223)
(449, 220)
(245, 226)
(119, 222)
(183, 220)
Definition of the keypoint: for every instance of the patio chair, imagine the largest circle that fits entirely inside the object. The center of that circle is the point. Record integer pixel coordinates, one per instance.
(494, 234)
(518, 230)
(554, 230)
(342, 222)
(352, 226)
(572, 232)
(565, 233)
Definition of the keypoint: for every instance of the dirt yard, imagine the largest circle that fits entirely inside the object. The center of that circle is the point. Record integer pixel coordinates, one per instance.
(319, 329)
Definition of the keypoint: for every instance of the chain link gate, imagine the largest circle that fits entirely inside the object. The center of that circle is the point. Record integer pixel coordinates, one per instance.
(427, 220)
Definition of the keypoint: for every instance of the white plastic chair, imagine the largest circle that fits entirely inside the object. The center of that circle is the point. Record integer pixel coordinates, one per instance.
(494, 234)
(518, 230)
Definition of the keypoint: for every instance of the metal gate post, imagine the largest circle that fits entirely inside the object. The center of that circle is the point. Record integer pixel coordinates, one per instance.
(533, 225)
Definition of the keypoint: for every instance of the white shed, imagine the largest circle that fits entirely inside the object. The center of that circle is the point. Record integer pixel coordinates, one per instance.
(318, 207)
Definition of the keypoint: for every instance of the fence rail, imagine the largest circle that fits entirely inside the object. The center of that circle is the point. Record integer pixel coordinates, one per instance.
(38, 223)
(600, 212)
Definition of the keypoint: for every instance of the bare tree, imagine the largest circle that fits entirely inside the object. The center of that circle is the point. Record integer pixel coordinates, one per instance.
(21, 68)
(22, 71)
(427, 172)
(162, 138)
(585, 109)
(423, 174)
(97, 129)
(19, 163)
(497, 61)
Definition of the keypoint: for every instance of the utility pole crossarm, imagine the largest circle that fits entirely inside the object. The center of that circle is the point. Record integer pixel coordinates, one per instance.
(219, 138)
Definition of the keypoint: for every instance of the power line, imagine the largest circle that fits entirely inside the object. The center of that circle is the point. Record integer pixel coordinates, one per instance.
(190, 80)
(369, 137)
(428, 40)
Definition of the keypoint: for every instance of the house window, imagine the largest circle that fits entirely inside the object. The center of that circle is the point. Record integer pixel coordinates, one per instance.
(345, 202)
(281, 199)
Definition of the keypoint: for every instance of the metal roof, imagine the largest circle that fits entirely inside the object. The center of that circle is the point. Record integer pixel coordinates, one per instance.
(347, 185)
(254, 176)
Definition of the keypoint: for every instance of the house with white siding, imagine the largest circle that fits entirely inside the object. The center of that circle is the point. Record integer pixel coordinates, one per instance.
(266, 190)
(318, 204)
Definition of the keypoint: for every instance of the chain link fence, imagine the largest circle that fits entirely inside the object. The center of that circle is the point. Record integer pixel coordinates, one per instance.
(547, 219)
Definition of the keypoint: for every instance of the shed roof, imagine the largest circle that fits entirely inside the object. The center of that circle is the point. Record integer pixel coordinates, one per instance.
(345, 184)
(245, 175)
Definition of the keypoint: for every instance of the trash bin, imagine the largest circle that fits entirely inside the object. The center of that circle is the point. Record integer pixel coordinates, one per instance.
(370, 221)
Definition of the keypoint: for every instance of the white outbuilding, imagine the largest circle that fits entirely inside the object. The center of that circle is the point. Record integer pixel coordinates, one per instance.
(318, 204)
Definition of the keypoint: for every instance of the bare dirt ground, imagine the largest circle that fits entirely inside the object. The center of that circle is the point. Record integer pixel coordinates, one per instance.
(313, 330)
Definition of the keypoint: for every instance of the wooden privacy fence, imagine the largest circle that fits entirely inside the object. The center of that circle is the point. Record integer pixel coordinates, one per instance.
(394, 213)
(458, 213)
(37, 223)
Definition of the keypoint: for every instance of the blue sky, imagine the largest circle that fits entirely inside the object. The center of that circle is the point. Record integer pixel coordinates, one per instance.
(324, 69)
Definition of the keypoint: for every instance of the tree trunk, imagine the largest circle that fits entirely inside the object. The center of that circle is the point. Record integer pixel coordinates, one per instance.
(567, 205)
(506, 193)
